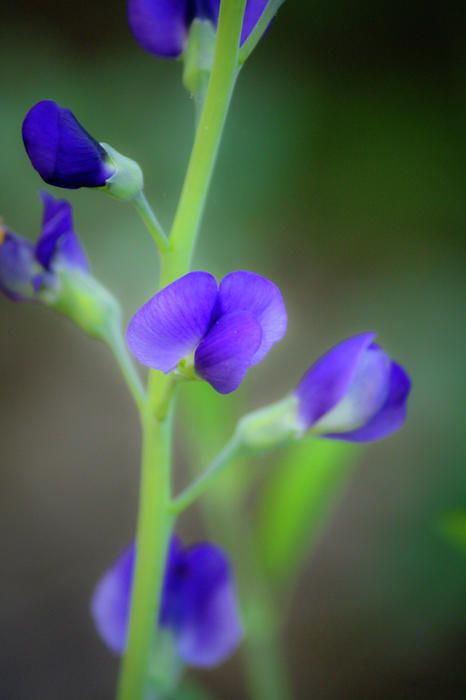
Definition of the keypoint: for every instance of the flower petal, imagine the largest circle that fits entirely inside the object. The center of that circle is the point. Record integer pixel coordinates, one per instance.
(326, 382)
(198, 606)
(58, 241)
(171, 324)
(201, 606)
(225, 355)
(252, 14)
(17, 268)
(247, 291)
(111, 600)
(391, 415)
(61, 150)
(160, 26)
(364, 396)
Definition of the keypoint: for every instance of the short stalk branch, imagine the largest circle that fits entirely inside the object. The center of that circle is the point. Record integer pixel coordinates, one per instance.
(231, 452)
(151, 222)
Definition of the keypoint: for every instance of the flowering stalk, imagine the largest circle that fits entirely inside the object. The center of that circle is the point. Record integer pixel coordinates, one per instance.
(153, 532)
(208, 137)
(150, 220)
(155, 521)
(117, 345)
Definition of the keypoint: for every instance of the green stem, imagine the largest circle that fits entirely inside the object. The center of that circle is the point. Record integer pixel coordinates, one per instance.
(149, 218)
(258, 31)
(153, 532)
(128, 370)
(155, 520)
(230, 452)
(208, 137)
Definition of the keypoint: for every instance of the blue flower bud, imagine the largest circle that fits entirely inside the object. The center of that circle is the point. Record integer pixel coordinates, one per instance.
(354, 392)
(66, 155)
(56, 272)
(61, 150)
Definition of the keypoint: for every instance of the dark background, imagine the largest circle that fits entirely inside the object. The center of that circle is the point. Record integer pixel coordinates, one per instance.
(340, 177)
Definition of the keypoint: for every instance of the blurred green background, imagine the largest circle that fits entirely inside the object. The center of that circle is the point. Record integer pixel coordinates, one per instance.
(341, 178)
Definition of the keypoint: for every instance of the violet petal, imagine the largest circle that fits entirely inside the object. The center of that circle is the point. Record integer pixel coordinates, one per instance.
(225, 354)
(326, 382)
(391, 415)
(247, 291)
(61, 150)
(171, 324)
(58, 241)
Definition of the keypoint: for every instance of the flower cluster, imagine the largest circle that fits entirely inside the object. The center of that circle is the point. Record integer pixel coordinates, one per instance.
(199, 608)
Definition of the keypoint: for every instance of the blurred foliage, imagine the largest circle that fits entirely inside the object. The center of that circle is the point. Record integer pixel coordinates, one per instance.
(296, 503)
(453, 527)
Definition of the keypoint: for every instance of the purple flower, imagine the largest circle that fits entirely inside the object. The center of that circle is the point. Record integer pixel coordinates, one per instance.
(61, 150)
(355, 392)
(229, 327)
(198, 608)
(26, 269)
(162, 26)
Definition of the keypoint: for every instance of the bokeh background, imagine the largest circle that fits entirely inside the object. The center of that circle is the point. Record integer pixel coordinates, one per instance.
(340, 177)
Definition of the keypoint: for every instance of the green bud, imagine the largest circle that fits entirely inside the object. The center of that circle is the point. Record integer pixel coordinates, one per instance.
(269, 427)
(127, 181)
(198, 59)
(81, 298)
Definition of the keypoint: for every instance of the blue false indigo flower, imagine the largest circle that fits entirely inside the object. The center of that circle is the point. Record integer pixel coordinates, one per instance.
(162, 26)
(28, 271)
(65, 155)
(228, 328)
(355, 392)
(199, 608)
(55, 271)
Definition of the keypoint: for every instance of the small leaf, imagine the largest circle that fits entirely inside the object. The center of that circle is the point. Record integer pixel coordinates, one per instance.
(296, 501)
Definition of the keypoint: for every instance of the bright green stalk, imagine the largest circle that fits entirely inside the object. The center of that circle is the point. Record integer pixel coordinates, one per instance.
(151, 222)
(120, 351)
(155, 521)
(153, 533)
(208, 137)
(199, 486)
